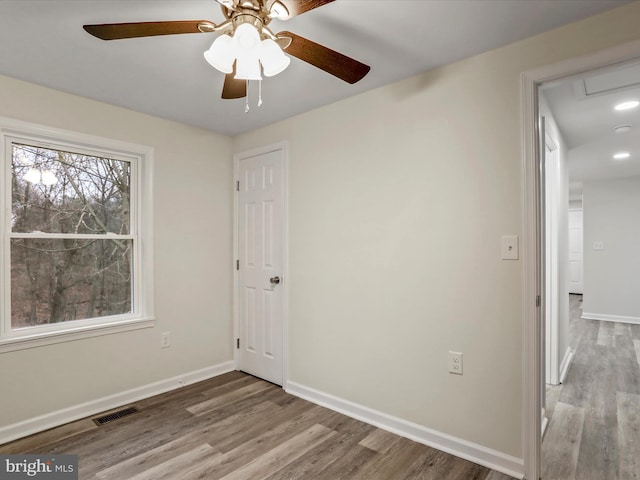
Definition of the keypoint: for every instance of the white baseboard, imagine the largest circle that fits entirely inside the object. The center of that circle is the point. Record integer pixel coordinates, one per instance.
(76, 412)
(566, 362)
(610, 318)
(473, 452)
(544, 422)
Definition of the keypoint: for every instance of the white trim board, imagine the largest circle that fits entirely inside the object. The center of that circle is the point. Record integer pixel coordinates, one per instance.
(60, 417)
(545, 422)
(610, 318)
(473, 452)
(566, 363)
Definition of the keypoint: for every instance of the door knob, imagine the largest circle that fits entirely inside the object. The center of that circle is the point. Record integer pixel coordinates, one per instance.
(274, 280)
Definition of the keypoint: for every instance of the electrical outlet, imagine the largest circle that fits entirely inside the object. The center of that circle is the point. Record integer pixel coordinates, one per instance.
(455, 363)
(165, 340)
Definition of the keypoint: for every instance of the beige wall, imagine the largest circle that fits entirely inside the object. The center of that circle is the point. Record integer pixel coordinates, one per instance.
(611, 287)
(398, 199)
(193, 220)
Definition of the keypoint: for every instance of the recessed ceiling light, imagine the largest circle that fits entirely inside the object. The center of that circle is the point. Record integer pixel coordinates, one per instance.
(627, 105)
(622, 128)
(621, 155)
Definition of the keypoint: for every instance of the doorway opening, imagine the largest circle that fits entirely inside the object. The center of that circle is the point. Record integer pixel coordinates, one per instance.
(592, 371)
(598, 68)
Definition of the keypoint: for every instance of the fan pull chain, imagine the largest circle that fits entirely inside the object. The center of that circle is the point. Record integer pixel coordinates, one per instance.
(246, 105)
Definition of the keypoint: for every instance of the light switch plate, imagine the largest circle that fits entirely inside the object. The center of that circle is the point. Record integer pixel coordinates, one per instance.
(598, 245)
(510, 247)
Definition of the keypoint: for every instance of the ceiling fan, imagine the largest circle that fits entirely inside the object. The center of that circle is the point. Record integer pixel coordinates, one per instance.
(254, 16)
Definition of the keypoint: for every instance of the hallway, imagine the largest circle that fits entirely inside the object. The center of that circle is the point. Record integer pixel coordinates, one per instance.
(594, 428)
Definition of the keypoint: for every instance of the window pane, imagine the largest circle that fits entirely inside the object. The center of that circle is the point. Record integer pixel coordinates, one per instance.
(63, 192)
(58, 280)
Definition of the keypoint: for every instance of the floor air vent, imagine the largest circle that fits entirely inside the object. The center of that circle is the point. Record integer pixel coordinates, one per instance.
(110, 417)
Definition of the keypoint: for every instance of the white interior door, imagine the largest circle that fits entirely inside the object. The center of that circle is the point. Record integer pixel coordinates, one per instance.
(551, 191)
(260, 237)
(575, 251)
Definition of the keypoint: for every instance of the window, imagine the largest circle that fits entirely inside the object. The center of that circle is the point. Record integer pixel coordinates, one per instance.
(76, 238)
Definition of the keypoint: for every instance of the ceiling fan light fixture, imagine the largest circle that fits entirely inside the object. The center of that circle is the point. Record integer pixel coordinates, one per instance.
(273, 58)
(222, 54)
(240, 51)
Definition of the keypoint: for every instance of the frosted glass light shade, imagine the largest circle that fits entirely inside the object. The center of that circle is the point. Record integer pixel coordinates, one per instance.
(248, 66)
(32, 176)
(247, 43)
(246, 37)
(273, 58)
(221, 54)
(250, 54)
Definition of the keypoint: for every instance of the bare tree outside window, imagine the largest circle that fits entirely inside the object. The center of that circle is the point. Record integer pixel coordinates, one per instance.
(70, 244)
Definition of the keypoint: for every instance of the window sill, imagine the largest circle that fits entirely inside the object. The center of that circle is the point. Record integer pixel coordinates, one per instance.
(51, 338)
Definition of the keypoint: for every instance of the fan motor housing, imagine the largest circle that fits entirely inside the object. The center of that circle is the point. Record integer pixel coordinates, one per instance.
(257, 19)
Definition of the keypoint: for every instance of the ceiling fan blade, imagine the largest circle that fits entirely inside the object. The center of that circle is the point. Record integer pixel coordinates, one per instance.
(335, 63)
(298, 7)
(115, 31)
(233, 88)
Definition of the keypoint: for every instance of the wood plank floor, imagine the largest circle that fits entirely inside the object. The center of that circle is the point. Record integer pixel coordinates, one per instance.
(594, 428)
(237, 427)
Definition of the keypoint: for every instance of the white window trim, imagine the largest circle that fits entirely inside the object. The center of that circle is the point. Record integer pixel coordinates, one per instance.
(141, 158)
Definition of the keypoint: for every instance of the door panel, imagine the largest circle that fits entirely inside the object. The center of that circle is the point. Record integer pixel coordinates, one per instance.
(575, 252)
(250, 319)
(260, 248)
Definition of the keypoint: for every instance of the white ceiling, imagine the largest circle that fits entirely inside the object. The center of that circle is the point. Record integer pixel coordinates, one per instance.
(43, 42)
(587, 121)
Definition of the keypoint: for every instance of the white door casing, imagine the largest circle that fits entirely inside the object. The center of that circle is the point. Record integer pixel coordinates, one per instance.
(260, 259)
(575, 251)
